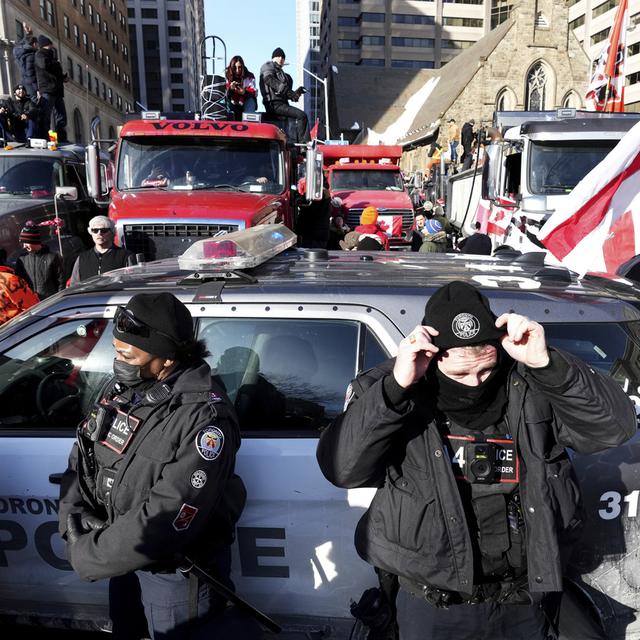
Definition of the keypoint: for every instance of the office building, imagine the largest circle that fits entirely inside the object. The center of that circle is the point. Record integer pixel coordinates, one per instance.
(165, 38)
(92, 43)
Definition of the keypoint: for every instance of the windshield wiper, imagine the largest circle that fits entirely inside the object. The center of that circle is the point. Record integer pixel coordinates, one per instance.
(558, 188)
(201, 187)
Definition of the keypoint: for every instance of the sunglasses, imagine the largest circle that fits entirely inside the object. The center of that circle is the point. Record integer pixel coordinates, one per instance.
(100, 230)
(126, 322)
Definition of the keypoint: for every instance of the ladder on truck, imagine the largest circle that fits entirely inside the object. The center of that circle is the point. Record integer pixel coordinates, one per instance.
(213, 92)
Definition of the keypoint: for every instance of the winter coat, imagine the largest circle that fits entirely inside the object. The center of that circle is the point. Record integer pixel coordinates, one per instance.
(42, 271)
(49, 73)
(275, 87)
(172, 492)
(18, 107)
(416, 525)
(15, 295)
(25, 56)
(374, 230)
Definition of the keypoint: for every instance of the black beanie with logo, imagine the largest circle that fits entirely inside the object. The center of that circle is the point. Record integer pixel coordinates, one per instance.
(168, 326)
(462, 315)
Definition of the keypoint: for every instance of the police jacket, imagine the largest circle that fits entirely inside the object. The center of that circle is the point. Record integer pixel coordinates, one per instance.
(415, 526)
(91, 263)
(49, 73)
(274, 85)
(43, 271)
(175, 492)
(25, 56)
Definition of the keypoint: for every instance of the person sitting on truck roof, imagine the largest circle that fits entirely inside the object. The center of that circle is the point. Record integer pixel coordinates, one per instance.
(104, 256)
(23, 114)
(369, 225)
(241, 88)
(276, 92)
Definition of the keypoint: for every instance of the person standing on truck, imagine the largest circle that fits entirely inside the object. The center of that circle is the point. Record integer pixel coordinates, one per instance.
(104, 256)
(24, 52)
(464, 433)
(276, 93)
(466, 138)
(150, 487)
(42, 269)
(241, 88)
(453, 138)
(51, 79)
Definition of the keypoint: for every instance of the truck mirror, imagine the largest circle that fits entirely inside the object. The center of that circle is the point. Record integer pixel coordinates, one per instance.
(105, 180)
(67, 193)
(491, 172)
(314, 174)
(94, 174)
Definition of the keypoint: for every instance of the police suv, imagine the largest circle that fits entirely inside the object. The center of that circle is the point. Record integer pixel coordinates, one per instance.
(287, 330)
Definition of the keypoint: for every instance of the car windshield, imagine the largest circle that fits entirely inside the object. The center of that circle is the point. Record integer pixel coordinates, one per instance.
(200, 163)
(33, 177)
(557, 167)
(366, 180)
(612, 348)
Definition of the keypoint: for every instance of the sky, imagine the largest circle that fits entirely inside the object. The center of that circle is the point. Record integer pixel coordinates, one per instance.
(253, 29)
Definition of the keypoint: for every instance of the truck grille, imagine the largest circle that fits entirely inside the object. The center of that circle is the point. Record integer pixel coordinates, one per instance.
(353, 217)
(157, 241)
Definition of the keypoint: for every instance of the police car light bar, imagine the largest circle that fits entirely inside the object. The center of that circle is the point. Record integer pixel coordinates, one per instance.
(238, 250)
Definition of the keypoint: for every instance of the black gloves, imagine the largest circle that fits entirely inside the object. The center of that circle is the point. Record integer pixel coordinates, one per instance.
(79, 524)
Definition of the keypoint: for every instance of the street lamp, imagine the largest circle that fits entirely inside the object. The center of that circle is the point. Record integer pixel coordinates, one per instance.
(326, 99)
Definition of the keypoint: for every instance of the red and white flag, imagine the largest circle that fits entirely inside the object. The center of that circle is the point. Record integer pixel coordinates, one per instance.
(483, 211)
(598, 228)
(313, 134)
(606, 89)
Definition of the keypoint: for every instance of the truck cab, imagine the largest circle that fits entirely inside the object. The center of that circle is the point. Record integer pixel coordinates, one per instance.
(369, 175)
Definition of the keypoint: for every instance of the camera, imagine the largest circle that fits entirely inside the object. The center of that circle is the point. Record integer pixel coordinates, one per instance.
(480, 465)
(99, 420)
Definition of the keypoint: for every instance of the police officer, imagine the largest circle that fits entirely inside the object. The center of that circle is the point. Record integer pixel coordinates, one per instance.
(151, 478)
(464, 434)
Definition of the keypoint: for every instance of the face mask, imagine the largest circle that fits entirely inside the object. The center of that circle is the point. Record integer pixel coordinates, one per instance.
(127, 374)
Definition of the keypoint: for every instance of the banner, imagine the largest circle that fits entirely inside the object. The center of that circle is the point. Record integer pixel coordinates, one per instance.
(598, 228)
(606, 89)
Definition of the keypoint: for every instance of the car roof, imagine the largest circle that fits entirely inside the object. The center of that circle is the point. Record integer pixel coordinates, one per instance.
(395, 284)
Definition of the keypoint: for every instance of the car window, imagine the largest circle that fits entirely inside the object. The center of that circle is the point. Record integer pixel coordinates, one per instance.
(282, 374)
(374, 352)
(613, 348)
(53, 378)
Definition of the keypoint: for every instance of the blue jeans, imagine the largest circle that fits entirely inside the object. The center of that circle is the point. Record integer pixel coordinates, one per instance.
(54, 114)
(453, 145)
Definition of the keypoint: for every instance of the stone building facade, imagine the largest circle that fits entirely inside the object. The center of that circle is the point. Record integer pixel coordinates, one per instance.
(531, 62)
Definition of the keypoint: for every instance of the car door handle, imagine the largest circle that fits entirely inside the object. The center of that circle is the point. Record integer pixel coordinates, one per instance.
(56, 478)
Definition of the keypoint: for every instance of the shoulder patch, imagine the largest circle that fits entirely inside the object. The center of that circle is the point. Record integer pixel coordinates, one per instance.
(185, 517)
(209, 442)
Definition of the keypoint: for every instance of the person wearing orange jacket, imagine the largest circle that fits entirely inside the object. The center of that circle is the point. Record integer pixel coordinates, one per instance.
(15, 293)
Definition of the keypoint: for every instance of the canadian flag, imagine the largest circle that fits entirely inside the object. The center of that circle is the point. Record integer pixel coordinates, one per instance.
(483, 211)
(393, 224)
(598, 228)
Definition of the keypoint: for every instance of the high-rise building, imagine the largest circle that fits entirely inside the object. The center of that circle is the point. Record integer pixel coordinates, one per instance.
(92, 43)
(419, 34)
(165, 38)
(308, 48)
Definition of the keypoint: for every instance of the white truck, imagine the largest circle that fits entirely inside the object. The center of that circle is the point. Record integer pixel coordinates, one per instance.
(528, 172)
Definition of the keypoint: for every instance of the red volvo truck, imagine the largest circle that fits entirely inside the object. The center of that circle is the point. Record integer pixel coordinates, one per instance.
(178, 181)
(369, 175)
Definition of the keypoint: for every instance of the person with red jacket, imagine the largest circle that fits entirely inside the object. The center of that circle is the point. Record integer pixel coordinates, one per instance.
(370, 227)
(241, 88)
(15, 293)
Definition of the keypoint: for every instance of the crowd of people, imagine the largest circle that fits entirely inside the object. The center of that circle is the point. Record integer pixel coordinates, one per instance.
(37, 104)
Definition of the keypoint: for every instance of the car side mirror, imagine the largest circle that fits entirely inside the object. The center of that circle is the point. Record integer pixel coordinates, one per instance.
(67, 193)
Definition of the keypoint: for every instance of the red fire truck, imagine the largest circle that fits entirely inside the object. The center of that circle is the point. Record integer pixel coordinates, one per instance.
(177, 181)
(362, 175)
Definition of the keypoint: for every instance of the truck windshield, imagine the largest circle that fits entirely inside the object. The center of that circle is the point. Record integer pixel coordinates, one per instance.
(557, 167)
(33, 177)
(200, 163)
(366, 180)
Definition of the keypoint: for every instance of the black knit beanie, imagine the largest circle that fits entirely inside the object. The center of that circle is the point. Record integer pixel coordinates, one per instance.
(278, 53)
(169, 323)
(30, 234)
(43, 40)
(462, 315)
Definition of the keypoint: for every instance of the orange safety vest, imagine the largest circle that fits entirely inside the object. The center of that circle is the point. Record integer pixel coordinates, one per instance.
(15, 295)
